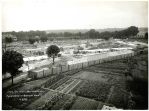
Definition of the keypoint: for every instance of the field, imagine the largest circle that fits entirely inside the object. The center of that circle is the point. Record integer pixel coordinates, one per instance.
(86, 75)
(84, 104)
(86, 89)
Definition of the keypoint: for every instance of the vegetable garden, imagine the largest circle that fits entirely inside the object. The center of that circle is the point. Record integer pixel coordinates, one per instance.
(83, 90)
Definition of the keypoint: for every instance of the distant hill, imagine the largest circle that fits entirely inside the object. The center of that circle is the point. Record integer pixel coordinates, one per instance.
(83, 30)
(141, 30)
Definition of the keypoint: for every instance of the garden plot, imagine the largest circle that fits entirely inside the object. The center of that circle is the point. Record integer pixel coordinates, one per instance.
(84, 104)
(61, 87)
(59, 104)
(76, 87)
(114, 79)
(60, 82)
(94, 90)
(71, 86)
(65, 103)
(68, 85)
(119, 98)
(87, 75)
(39, 103)
(53, 80)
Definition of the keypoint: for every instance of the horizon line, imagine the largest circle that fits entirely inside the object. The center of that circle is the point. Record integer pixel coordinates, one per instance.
(71, 29)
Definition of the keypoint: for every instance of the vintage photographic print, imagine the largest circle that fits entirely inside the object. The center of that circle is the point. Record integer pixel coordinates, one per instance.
(74, 55)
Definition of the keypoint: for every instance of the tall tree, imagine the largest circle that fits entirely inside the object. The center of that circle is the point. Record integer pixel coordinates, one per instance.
(52, 51)
(131, 31)
(146, 35)
(11, 62)
(6, 40)
(37, 38)
(43, 39)
(32, 40)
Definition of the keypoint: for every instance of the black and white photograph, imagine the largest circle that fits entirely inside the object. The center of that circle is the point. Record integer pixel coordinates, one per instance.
(74, 54)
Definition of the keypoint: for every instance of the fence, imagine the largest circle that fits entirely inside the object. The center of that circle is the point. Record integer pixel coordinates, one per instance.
(40, 73)
(36, 74)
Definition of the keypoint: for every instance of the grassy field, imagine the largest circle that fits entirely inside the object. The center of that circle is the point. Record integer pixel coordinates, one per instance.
(86, 75)
(84, 104)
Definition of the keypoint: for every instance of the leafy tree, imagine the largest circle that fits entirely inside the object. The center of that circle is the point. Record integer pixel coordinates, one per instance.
(8, 39)
(132, 31)
(93, 33)
(67, 34)
(146, 35)
(37, 38)
(44, 39)
(11, 62)
(52, 50)
(32, 40)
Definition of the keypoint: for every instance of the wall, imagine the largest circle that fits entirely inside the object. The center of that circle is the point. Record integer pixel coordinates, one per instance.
(57, 70)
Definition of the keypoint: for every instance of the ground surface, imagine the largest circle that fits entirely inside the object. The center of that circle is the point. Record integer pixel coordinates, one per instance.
(86, 89)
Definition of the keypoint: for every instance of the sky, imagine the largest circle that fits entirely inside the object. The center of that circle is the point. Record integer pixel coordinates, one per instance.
(25, 15)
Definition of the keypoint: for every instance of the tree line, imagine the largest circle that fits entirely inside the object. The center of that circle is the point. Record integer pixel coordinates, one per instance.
(91, 34)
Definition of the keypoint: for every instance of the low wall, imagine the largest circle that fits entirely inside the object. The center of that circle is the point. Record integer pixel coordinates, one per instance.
(57, 70)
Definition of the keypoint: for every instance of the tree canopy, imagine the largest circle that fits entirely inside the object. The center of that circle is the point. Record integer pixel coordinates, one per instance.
(11, 62)
(43, 39)
(8, 39)
(90, 34)
(32, 40)
(146, 35)
(52, 51)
